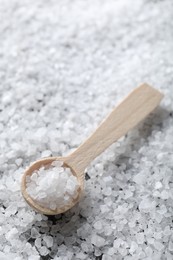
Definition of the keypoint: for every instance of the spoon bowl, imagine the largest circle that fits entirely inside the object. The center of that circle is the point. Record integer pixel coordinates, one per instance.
(46, 162)
(134, 108)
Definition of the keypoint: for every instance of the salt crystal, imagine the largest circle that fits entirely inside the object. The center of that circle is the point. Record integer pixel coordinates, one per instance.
(139, 178)
(128, 194)
(107, 179)
(156, 194)
(170, 246)
(11, 210)
(97, 240)
(33, 177)
(43, 185)
(148, 251)
(117, 243)
(146, 204)
(159, 246)
(164, 195)
(98, 225)
(84, 247)
(70, 240)
(167, 231)
(107, 257)
(12, 233)
(104, 208)
(48, 240)
(168, 256)
(122, 251)
(141, 255)
(150, 240)
(158, 235)
(4, 256)
(39, 217)
(43, 250)
(107, 191)
(81, 256)
(38, 242)
(133, 247)
(34, 233)
(34, 257)
(140, 238)
(158, 217)
(46, 153)
(132, 224)
(111, 251)
(113, 226)
(18, 161)
(59, 238)
(158, 185)
(162, 210)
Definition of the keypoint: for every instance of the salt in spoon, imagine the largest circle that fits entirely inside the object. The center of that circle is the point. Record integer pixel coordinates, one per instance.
(132, 110)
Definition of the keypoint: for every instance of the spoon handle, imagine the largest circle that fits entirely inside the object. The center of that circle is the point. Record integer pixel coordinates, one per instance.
(133, 109)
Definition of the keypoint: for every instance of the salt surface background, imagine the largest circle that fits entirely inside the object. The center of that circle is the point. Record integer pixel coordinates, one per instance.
(64, 65)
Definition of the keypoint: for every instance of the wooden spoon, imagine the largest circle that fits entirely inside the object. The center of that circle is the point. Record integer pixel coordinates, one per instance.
(137, 105)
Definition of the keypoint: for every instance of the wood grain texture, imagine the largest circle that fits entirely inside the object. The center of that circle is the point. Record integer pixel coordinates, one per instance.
(137, 105)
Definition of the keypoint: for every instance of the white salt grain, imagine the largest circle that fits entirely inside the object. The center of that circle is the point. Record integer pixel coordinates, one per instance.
(170, 246)
(48, 240)
(107, 257)
(164, 195)
(133, 247)
(97, 240)
(34, 257)
(162, 210)
(34, 233)
(18, 161)
(148, 251)
(12, 233)
(46, 153)
(81, 256)
(167, 231)
(141, 255)
(38, 242)
(98, 225)
(150, 240)
(43, 251)
(158, 217)
(132, 224)
(159, 246)
(84, 247)
(104, 208)
(158, 185)
(117, 243)
(111, 251)
(128, 194)
(11, 210)
(158, 235)
(107, 179)
(5, 256)
(107, 191)
(147, 205)
(140, 238)
(139, 178)
(168, 256)
(53, 187)
(122, 251)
